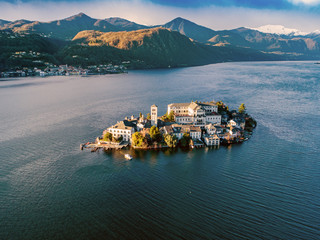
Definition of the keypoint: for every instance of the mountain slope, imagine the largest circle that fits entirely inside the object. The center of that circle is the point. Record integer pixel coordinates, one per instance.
(190, 29)
(273, 42)
(124, 24)
(286, 41)
(151, 48)
(67, 28)
(156, 47)
(14, 24)
(32, 50)
(3, 23)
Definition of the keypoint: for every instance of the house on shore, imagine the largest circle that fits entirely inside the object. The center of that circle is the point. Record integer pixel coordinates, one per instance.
(123, 128)
(211, 140)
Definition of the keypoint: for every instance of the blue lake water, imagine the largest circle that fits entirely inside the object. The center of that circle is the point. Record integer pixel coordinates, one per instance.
(265, 188)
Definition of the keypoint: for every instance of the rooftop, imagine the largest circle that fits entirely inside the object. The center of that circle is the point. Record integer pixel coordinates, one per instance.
(124, 125)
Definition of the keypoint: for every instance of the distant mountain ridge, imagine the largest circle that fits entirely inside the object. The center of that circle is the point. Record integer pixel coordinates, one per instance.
(67, 28)
(82, 40)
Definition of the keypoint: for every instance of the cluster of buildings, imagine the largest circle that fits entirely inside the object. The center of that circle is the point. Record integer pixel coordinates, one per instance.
(64, 70)
(199, 119)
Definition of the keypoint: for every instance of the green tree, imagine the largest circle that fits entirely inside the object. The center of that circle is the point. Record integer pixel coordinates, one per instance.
(148, 116)
(185, 140)
(222, 107)
(168, 117)
(242, 108)
(155, 134)
(107, 137)
(165, 117)
(119, 139)
(138, 140)
(171, 140)
(171, 116)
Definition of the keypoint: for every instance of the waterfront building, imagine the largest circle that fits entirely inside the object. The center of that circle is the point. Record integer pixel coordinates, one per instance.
(123, 128)
(195, 113)
(212, 140)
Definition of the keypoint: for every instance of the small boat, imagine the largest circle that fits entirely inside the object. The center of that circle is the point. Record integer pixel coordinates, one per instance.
(128, 156)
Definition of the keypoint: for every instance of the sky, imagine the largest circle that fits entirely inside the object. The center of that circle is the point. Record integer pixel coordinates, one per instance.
(216, 14)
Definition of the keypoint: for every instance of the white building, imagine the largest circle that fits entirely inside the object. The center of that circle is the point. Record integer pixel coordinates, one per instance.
(124, 128)
(212, 140)
(195, 113)
(210, 129)
(178, 130)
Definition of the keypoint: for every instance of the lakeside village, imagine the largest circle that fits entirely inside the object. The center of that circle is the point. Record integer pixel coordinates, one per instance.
(65, 70)
(188, 125)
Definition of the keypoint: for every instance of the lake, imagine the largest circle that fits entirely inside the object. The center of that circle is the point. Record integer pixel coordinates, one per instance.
(265, 188)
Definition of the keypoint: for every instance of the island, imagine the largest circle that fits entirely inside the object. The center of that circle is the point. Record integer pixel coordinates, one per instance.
(188, 125)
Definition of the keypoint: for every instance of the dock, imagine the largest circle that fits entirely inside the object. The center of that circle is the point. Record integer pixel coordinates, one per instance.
(106, 146)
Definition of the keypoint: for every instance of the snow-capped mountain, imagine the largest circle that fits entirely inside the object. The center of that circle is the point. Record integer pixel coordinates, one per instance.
(314, 33)
(280, 30)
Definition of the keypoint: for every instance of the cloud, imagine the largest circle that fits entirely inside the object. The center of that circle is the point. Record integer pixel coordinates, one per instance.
(305, 2)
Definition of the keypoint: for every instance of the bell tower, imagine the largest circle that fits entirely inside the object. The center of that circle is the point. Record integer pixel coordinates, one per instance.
(154, 115)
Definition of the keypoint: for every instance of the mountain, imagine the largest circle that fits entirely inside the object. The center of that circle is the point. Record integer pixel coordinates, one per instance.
(155, 47)
(275, 43)
(281, 40)
(190, 29)
(82, 40)
(270, 38)
(67, 28)
(3, 23)
(280, 30)
(124, 24)
(14, 24)
(150, 48)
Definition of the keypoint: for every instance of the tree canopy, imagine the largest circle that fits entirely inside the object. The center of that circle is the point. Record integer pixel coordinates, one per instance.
(107, 137)
(119, 139)
(138, 140)
(222, 107)
(171, 140)
(155, 134)
(242, 108)
(185, 140)
(168, 117)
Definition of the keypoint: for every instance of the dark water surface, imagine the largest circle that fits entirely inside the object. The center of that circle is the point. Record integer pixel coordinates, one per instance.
(265, 188)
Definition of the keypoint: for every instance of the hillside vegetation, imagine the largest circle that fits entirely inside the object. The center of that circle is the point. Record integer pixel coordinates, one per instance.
(156, 47)
(31, 50)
